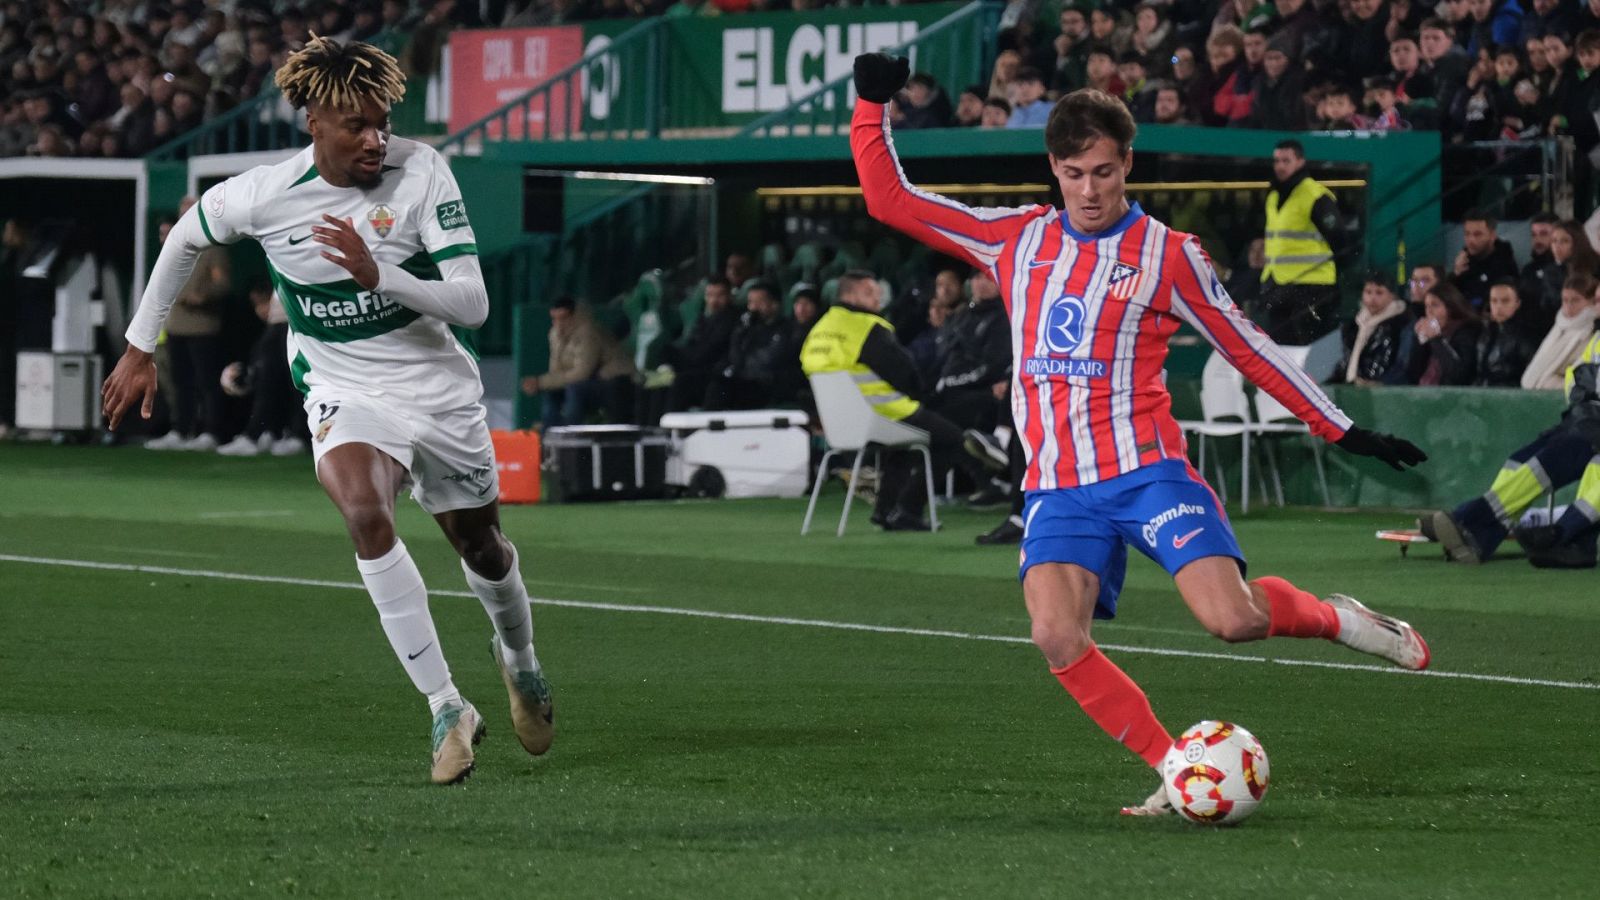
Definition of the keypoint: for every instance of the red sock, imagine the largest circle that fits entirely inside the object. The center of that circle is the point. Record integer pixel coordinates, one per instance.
(1115, 703)
(1295, 613)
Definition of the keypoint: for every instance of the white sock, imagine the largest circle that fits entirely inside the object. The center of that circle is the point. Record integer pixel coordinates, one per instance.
(402, 601)
(506, 602)
(1348, 621)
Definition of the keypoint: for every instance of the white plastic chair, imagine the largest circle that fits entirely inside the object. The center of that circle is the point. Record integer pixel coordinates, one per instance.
(1273, 417)
(1225, 412)
(851, 425)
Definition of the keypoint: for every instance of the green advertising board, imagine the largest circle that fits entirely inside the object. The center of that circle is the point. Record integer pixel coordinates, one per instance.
(725, 71)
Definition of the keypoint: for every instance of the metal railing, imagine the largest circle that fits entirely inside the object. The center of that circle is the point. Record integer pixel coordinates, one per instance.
(969, 36)
(264, 122)
(582, 100)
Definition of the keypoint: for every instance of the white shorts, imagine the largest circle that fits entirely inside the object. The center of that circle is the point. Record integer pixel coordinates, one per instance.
(448, 457)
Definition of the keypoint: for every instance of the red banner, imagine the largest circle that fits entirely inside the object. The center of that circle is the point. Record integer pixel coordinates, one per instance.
(491, 67)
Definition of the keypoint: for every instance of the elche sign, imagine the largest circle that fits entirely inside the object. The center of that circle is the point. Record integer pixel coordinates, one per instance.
(767, 69)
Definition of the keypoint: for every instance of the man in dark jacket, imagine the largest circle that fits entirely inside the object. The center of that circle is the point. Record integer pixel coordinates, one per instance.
(694, 359)
(1484, 259)
(1542, 272)
(760, 369)
(1280, 91)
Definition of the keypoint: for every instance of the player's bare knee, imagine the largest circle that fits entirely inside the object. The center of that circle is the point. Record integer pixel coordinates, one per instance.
(1060, 640)
(487, 554)
(371, 527)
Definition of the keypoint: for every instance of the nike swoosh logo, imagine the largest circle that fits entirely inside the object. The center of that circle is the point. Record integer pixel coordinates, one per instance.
(1040, 263)
(1178, 542)
(419, 652)
(299, 240)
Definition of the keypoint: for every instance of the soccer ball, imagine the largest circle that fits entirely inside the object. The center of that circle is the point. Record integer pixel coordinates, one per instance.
(1215, 774)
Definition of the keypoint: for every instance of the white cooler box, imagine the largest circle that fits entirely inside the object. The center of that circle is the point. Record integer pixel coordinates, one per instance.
(758, 453)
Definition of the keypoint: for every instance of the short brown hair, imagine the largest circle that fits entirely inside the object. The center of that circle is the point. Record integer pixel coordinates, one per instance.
(1083, 117)
(1588, 41)
(1581, 282)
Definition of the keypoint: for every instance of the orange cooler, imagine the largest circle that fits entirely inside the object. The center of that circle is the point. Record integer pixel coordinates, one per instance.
(516, 456)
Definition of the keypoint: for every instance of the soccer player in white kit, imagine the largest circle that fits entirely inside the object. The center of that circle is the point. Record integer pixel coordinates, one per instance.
(392, 397)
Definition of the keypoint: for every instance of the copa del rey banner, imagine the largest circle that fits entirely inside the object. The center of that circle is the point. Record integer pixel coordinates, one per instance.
(491, 67)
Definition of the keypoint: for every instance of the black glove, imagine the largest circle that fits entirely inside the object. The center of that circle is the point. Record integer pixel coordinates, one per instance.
(880, 76)
(1397, 452)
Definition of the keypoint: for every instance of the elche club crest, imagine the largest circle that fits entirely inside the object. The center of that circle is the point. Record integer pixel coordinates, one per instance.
(381, 218)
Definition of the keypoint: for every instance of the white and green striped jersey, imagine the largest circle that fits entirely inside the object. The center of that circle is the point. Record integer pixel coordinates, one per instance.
(341, 336)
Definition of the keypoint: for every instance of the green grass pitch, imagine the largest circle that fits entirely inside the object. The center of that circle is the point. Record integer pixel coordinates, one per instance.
(169, 732)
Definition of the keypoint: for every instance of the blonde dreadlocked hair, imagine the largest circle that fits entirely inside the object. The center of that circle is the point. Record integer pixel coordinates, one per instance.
(340, 75)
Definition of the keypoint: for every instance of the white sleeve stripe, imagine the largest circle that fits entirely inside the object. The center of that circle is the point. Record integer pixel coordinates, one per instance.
(984, 214)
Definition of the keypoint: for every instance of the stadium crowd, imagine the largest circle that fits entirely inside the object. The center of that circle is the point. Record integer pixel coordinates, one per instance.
(120, 77)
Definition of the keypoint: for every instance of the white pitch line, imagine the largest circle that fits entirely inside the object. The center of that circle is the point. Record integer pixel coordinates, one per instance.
(816, 623)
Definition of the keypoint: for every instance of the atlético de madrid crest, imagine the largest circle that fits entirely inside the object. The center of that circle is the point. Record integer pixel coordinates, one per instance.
(382, 220)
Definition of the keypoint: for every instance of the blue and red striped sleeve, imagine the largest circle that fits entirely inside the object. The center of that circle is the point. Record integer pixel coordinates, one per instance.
(1198, 297)
(975, 234)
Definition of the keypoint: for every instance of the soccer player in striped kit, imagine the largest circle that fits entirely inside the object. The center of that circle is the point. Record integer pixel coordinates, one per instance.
(1094, 292)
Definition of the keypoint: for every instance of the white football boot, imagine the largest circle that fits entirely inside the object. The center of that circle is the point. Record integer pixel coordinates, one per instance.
(1362, 629)
(456, 729)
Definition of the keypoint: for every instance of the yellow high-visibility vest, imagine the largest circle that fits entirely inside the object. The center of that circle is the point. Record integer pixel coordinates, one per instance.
(834, 345)
(1296, 251)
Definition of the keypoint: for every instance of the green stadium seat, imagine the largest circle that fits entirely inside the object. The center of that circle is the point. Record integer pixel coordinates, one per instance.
(830, 292)
(885, 258)
(805, 263)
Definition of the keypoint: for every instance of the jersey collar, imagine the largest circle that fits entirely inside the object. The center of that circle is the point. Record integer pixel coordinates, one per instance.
(1133, 214)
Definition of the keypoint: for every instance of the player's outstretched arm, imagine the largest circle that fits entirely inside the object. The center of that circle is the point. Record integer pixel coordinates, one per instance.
(1398, 452)
(134, 378)
(976, 235)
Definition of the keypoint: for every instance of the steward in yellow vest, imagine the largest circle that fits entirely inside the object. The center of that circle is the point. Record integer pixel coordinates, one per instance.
(855, 339)
(852, 337)
(1299, 283)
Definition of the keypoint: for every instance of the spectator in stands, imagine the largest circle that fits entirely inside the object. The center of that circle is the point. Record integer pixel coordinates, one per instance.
(1006, 64)
(1029, 108)
(1525, 117)
(926, 105)
(1299, 284)
(1571, 331)
(1223, 94)
(1384, 106)
(1484, 259)
(1405, 16)
(1336, 110)
(1374, 341)
(1102, 70)
(740, 270)
(1136, 91)
(759, 370)
(996, 111)
(1539, 282)
(807, 310)
(1442, 60)
(589, 370)
(1299, 24)
(852, 337)
(1542, 17)
(693, 360)
(1474, 114)
(266, 380)
(1153, 38)
(1413, 86)
(1423, 277)
(1279, 102)
(1107, 29)
(975, 371)
(927, 348)
(194, 348)
(1570, 248)
(1359, 43)
(1071, 48)
(1506, 345)
(1573, 108)
(1168, 108)
(969, 108)
(1447, 340)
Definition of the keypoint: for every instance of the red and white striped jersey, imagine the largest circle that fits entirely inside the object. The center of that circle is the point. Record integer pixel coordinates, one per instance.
(1091, 315)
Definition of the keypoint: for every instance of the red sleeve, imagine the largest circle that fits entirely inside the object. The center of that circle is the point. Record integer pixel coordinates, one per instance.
(1198, 297)
(974, 234)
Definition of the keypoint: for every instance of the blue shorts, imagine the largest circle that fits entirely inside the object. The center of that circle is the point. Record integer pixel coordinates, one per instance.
(1164, 509)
